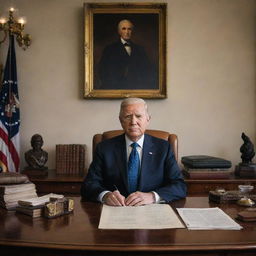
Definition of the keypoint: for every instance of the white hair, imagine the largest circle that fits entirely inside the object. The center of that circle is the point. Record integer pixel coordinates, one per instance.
(131, 101)
(122, 21)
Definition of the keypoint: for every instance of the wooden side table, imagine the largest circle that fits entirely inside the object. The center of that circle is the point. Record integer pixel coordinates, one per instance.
(202, 187)
(71, 184)
(58, 183)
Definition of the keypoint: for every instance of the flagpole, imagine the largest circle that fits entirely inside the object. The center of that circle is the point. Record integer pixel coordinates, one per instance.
(10, 84)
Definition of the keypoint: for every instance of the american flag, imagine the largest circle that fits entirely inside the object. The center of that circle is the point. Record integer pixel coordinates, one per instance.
(9, 115)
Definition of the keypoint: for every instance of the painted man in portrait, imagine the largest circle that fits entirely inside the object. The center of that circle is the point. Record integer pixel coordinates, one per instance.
(125, 64)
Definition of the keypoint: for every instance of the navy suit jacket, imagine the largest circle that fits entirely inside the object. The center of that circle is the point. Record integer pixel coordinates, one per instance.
(159, 170)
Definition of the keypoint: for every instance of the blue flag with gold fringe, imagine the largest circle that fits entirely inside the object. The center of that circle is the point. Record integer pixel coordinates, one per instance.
(9, 114)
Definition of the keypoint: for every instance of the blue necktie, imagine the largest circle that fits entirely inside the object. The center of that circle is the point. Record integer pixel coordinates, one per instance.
(133, 168)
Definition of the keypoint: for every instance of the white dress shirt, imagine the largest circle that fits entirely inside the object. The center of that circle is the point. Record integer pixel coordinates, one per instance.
(127, 47)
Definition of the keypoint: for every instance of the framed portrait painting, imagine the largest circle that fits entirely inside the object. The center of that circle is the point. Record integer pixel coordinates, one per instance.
(125, 50)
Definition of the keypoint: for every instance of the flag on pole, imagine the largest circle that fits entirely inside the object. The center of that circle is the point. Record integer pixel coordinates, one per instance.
(9, 115)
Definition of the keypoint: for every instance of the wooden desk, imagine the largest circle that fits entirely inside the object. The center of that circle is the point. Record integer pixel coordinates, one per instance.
(77, 234)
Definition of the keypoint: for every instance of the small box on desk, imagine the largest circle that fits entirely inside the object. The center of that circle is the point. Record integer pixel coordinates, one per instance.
(228, 196)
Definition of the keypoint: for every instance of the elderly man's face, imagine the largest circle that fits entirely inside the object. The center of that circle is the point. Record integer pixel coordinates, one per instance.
(125, 30)
(134, 120)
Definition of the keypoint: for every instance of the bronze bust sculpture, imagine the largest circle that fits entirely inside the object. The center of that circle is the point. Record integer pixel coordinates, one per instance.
(247, 149)
(246, 169)
(36, 157)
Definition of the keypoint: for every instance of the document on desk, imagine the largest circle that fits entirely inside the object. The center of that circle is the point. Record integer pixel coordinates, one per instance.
(207, 219)
(153, 216)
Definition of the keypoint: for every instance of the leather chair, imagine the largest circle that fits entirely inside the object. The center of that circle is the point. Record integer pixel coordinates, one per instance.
(172, 138)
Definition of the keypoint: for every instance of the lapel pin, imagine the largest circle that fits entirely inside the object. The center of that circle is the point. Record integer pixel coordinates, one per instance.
(150, 153)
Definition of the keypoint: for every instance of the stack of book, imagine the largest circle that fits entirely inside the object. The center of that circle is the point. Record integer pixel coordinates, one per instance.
(206, 167)
(34, 206)
(70, 159)
(33, 211)
(10, 194)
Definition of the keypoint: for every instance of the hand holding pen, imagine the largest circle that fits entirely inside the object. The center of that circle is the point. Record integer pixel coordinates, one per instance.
(114, 198)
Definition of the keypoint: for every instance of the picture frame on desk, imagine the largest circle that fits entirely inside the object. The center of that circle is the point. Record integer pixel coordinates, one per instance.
(111, 71)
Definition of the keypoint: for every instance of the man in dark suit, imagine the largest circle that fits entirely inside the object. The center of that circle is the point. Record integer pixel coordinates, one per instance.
(158, 177)
(125, 65)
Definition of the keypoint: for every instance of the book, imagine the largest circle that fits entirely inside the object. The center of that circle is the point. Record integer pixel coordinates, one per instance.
(11, 205)
(58, 158)
(11, 194)
(81, 161)
(31, 211)
(204, 161)
(206, 174)
(206, 169)
(16, 188)
(34, 207)
(70, 159)
(41, 200)
(12, 178)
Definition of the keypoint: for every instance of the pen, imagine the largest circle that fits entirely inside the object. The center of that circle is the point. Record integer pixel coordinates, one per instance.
(115, 187)
(121, 201)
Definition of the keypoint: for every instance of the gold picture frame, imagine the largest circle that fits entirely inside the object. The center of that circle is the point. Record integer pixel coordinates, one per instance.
(108, 72)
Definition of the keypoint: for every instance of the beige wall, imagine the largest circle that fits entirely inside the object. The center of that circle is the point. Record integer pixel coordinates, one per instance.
(211, 77)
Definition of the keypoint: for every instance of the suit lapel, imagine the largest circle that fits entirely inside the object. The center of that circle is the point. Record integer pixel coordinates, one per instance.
(121, 159)
(146, 160)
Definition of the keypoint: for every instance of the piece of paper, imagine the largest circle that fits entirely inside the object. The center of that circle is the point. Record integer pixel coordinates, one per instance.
(207, 218)
(153, 216)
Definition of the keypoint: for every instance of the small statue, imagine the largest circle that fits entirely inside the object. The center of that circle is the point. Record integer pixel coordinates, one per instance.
(246, 169)
(36, 157)
(247, 149)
